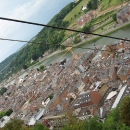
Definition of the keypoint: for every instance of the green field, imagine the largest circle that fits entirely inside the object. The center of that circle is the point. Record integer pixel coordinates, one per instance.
(104, 5)
(76, 10)
(108, 3)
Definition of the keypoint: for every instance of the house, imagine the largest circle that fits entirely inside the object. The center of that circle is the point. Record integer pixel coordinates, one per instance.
(116, 45)
(4, 120)
(105, 51)
(86, 18)
(85, 113)
(84, 7)
(73, 95)
(87, 99)
(85, 79)
(127, 44)
(106, 75)
(127, 91)
(77, 86)
(83, 62)
(44, 103)
(123, 15)
(123, 72)
(102, 113)
(119, 97)
(56, 121)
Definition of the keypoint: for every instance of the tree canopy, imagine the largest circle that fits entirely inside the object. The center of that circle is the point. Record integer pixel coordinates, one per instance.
(125, 110)
(40, 127)
(7, 113)
(3, 90)
(92, 4)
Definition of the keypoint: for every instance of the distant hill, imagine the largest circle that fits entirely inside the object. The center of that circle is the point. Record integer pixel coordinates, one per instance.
(26, 44)
(9, 59)
(65, 18)
(33, 51)
(6, 62)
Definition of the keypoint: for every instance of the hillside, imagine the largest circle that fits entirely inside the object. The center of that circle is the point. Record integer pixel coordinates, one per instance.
(7, 61)
(76, 11)
(65, 18)
(34, 51)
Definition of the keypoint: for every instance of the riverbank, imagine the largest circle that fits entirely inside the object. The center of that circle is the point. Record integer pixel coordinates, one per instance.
(87, 44)
(92, 39)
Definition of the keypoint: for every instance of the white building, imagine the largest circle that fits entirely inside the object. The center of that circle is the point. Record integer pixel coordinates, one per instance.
(4, 120)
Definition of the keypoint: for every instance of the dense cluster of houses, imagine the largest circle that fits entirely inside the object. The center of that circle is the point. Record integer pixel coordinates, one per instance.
(86, 18)
(86, 85)
(124, 15)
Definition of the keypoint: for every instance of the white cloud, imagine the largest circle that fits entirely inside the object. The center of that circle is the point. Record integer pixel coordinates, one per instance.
(26, 10)
(22, 12)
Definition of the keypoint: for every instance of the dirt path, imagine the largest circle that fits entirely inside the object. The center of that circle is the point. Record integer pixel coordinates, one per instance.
(111, 9)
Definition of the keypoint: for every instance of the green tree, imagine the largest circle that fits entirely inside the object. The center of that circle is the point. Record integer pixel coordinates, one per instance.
(40, 127)
(92, 4)
(3, 90)
(87, 28)
(8, 113)
(25, 66)
(85, 11)
(75, 15)
(114, 17)
(125, 110)
(73, 124)
(14, 125)
(112, 120)
(92, 124)
(77, 39)
(109, 1)
(42, 67)
(2, 113)
(50, 96)
(62, 47)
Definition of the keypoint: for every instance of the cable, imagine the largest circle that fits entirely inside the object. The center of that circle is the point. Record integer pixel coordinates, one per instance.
(62, 56)
(55, 44)
(61, 28)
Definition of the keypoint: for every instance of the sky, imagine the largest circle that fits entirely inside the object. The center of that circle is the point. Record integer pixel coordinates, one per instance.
(40, 11)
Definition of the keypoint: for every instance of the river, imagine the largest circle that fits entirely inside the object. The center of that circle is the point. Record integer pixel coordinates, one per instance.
(122, 33)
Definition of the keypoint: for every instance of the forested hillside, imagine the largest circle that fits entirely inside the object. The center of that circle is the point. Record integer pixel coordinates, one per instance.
(7, 61)
(34, 51)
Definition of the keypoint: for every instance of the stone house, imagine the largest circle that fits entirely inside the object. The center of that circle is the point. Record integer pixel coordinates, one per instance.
(123, 15)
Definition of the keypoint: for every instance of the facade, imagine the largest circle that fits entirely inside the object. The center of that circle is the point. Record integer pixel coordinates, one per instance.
(85, 19)
(124, 15)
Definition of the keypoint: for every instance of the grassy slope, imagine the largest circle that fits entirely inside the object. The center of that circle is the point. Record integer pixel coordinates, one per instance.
(104, 5)
(76, 10)
(108, 3)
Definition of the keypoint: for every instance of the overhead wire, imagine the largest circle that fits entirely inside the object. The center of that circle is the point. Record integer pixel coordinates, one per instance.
(93, 49)
(61, 28)
(55, 44)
